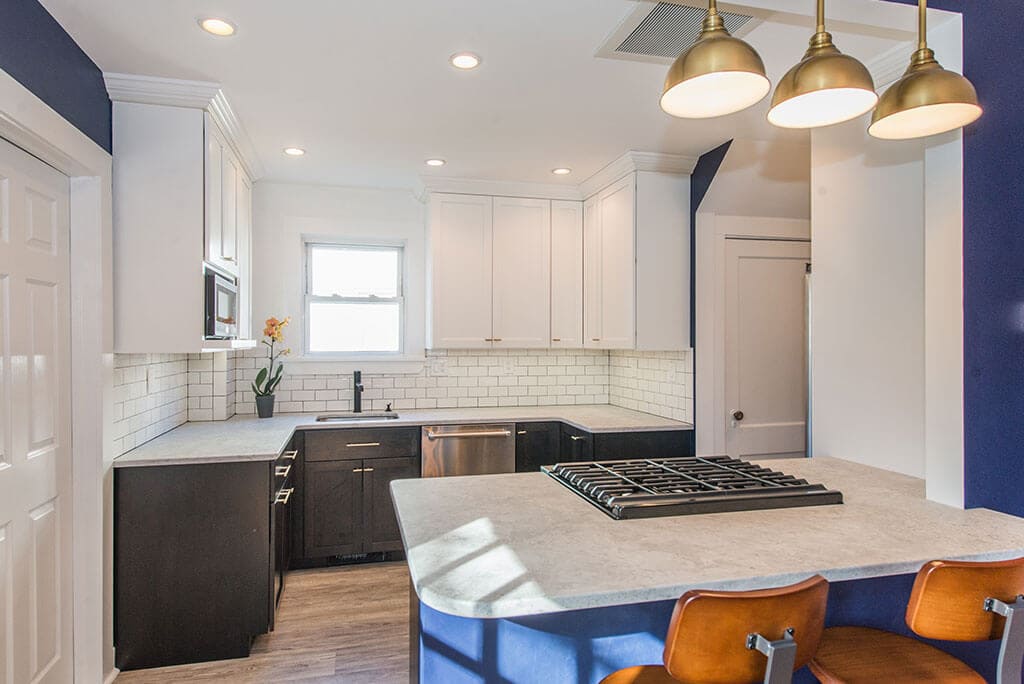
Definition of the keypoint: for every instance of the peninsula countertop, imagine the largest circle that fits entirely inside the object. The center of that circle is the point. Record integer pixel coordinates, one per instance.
(515, 545)
(247, 438)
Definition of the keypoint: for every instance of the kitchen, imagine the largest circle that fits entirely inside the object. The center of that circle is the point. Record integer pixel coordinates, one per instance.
(469, 280)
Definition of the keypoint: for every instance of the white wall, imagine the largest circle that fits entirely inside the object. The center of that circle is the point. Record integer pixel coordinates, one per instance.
(765, 179)
(867, 308)
(284, 214)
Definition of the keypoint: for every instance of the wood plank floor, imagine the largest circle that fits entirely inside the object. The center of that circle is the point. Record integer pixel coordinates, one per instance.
(344, 624)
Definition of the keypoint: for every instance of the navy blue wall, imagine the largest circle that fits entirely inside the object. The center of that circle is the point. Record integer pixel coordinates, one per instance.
(993, 256)
(38, 52)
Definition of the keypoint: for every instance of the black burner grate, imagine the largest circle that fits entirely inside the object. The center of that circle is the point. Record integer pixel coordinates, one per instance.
(680, 486)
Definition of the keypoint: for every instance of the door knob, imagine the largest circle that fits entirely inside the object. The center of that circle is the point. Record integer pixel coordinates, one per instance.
(737, 415)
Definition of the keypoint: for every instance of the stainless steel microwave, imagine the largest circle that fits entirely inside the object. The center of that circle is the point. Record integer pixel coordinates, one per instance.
(221, 306)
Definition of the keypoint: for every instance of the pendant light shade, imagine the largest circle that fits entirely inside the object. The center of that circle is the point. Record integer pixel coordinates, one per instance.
(718, 75)
(826, 87)
(927, 100)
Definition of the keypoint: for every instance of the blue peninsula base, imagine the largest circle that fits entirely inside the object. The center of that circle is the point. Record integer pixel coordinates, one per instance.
(585, 645)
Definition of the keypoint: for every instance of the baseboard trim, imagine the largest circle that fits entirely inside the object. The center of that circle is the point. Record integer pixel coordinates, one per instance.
(111, 676)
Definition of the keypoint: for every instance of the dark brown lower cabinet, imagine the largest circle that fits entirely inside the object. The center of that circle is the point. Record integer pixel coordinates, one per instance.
(347, 505)
(193, 562)
(537, 444)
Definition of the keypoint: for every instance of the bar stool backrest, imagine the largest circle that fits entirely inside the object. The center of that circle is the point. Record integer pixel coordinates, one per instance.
(707, 637)
(948, 600)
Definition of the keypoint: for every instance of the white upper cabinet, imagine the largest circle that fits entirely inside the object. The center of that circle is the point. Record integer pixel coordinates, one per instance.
(566, 274)
(521, 258)
(181, 197)
(636, 264)
(461, 237)
(224, 177)
(610, 267)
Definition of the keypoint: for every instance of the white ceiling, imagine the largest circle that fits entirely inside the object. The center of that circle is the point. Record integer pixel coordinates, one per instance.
(366, 87)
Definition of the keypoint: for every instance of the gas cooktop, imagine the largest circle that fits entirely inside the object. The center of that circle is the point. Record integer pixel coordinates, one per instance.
(649, 488)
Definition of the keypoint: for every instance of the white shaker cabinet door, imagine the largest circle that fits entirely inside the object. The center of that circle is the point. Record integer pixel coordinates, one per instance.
(521, 314)
(244, 244)
(617, 209)
(592, 273)
(566, 274)
(221, 173)
(461, 236)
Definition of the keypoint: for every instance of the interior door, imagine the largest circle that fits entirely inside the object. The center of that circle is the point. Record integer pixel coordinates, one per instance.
(35, 421)
(765, 348)
(521, 298)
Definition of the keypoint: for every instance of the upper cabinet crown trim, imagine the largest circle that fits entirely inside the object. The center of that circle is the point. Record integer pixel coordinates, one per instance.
(633, 161)
(628, 163)
(192, 94)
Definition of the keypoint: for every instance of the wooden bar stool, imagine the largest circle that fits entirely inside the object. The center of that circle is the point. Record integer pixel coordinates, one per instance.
(951, 601)
(718, 637)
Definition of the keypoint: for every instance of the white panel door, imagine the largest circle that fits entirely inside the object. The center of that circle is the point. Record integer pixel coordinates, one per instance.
(617, 208)
(461, 233)
(566, 274)
(765, 348)
(592, 273)
(35, 419)
(521, 295)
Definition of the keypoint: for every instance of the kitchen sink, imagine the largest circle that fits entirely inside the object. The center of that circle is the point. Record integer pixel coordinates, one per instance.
(350, 417)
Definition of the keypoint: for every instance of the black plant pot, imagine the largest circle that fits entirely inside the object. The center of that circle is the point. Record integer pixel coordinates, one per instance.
(265, 406)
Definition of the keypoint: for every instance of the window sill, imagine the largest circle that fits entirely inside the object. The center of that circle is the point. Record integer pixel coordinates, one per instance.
(331, 365)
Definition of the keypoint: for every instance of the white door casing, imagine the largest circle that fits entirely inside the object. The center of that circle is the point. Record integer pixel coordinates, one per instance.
(35, 422)
(765, 348)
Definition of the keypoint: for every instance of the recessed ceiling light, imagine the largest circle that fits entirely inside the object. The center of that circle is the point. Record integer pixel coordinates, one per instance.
(218, 27)
(464, 60)
(436, 162)
(561, 171)
(294, 151)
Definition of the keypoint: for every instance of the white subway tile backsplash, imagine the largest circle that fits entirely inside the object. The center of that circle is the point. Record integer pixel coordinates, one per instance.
(150, 397)
(653, 382)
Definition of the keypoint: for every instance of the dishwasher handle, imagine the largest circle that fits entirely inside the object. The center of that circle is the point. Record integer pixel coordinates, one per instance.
(458, 435)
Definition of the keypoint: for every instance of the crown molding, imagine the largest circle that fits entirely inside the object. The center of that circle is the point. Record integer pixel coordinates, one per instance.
(889, 66)
(632, 161)
(629, 162)
(205, 95)
(473, 186)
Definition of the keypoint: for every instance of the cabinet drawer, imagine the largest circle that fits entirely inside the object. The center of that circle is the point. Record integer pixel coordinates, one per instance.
(350, 444)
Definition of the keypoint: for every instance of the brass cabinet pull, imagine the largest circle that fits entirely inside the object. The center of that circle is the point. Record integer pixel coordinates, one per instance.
(282, 471)
(488, 339)
(284, 495)
(595, 339)
(355, 445)
(521, 432)
(367, 470)
(576, 438)
(290, 455)
(496, 339)
(556, 339)
(362, 470)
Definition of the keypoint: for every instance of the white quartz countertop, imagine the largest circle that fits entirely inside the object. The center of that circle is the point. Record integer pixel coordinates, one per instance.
(247, 438)
(514, 545)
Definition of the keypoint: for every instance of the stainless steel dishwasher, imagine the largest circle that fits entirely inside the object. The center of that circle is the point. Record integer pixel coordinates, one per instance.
(468, 449)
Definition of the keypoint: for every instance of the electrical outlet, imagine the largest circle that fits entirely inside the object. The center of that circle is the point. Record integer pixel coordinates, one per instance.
(438, 365)
(507, 365)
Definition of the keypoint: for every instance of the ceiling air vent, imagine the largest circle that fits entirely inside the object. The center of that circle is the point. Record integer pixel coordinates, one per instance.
(666, 30)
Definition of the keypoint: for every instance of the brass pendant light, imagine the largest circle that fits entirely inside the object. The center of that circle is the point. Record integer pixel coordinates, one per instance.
(826, 87)
(927, 100)
(718, 75)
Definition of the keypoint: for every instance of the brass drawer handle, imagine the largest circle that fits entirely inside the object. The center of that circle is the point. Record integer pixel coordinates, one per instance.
(290, 455)
(362, 470)
(282, 471)
(356, 445)
(284, 495)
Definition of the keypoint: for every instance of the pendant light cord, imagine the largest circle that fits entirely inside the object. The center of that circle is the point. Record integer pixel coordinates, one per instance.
(922, 24)
(821, 16)
(713, 7)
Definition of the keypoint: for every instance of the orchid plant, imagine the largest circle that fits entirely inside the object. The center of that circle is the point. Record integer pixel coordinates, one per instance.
(268, 378)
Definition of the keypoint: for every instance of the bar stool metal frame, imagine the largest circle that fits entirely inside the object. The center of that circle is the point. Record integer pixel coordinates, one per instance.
(1011, 650)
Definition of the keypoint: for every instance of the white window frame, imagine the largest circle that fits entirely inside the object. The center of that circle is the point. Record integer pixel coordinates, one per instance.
(309, 298)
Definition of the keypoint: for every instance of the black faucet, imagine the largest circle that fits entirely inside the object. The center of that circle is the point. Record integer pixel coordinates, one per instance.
(357, 392)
